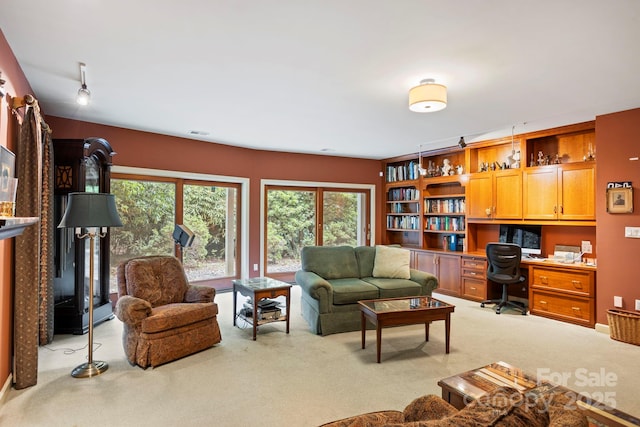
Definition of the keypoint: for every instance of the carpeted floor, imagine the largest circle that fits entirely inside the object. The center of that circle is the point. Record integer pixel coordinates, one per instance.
(302, 379)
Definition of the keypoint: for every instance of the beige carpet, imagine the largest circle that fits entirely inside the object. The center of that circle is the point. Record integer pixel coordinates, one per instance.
(302, 379)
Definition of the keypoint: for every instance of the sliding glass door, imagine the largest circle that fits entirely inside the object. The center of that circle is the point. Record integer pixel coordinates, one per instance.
(298, 217)
(150, 208)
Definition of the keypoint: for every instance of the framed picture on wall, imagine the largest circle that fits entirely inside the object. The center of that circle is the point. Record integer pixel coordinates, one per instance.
(620, 200)
(7, 163)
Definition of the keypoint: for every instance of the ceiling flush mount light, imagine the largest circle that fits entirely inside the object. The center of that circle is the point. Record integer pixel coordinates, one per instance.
(83, 93)
(428, 97)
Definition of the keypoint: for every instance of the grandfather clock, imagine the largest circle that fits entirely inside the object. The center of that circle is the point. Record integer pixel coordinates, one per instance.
(80, 165)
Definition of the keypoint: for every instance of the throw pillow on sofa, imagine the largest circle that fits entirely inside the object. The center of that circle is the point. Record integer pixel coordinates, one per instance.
(391, 263)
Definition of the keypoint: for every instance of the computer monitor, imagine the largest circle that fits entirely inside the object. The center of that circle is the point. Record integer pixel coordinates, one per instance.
(528, 237)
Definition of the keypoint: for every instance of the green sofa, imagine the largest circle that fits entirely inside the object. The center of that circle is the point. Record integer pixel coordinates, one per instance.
(334, 278)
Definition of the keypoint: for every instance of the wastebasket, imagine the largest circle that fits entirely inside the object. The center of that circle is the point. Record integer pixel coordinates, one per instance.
(624, 326)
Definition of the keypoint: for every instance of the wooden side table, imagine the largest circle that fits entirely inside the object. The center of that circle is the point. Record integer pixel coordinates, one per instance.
(259, 288)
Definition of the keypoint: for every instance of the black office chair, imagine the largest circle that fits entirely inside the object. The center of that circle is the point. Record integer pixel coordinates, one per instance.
(504, 268)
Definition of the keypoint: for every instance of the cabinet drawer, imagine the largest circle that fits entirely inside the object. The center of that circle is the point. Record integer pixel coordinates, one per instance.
(474, 274)
(474, 289)
(565, 307)
(577, 282)
(473, 263)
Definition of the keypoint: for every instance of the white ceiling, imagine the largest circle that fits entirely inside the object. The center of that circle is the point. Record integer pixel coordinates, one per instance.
(333, 75)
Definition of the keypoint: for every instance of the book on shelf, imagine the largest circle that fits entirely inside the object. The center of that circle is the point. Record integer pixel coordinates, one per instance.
(445, 223)
(405, 172)
(444, 205)
(403, 194)
(403, 222)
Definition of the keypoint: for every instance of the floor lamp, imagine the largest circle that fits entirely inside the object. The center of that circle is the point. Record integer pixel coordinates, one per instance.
(93, 212)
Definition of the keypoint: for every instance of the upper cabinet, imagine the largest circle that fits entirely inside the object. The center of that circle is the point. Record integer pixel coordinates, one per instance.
(495, 195)
(559, 180)
(560, 192)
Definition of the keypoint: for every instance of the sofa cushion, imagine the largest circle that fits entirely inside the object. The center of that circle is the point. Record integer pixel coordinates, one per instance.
(391, 262)
(391, 288)
(366, 256)
(174, 316)
(159, 280)
(352, 290)
(330, 262)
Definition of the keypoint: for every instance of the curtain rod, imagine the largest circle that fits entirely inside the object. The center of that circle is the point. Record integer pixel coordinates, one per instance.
(30, 101)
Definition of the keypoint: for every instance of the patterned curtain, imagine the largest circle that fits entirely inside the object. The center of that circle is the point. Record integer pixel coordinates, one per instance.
(33, 301)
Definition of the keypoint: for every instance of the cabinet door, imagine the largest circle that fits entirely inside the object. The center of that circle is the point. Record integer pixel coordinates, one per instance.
(480, 196)
(577, 192)
(540, 192)
(425, 261)
(507, 195)
(449, 274)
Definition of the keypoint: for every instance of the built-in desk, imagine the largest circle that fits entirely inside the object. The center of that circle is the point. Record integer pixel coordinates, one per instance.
(557, 290)
(562, 291)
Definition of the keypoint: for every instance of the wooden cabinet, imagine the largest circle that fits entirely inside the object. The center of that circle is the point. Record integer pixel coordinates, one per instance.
(560, 192)
(495, 195)
(473, 275)
(446, 267)
(563, 293)
(80, 166)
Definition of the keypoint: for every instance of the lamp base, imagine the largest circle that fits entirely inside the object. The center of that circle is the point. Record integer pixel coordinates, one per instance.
(88, 370)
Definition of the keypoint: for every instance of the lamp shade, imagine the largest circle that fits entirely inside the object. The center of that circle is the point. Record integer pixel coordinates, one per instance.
(428, 97)
(90, 210)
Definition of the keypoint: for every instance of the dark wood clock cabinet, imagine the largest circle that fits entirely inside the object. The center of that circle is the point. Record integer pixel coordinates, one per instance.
(80, 165)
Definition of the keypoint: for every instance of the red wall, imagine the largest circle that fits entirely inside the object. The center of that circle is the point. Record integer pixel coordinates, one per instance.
(16, 85)
(148, 150)
(617, 139)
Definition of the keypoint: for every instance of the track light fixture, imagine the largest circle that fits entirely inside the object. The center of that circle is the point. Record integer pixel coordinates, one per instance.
(83, 93)
(461, 143)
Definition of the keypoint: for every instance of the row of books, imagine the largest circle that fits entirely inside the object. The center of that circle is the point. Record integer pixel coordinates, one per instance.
(404, 172)
(444, 206)
(403, 208)
(403, 222)
(403, 194)
(445, 223)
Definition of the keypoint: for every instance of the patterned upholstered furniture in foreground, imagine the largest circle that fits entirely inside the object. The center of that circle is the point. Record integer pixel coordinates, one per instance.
(165, 318)
(505, 407)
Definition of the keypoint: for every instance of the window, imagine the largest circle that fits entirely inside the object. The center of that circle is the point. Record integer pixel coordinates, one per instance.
(301, 216)
(150, 207)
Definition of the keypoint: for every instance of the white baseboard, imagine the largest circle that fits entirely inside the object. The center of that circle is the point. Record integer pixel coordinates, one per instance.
(601, 327)
(5, 388)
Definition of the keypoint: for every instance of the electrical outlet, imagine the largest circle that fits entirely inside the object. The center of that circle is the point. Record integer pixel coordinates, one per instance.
(255, 267)
(638, 304)
(632, 232)
(617, 302)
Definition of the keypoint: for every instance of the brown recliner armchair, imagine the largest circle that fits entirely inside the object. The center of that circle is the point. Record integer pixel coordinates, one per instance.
(165, 318)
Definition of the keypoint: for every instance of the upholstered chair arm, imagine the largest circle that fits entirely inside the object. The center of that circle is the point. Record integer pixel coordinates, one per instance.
(429, 407)
(316, 287)
(132, 310)
(427, 281)
(197, 293)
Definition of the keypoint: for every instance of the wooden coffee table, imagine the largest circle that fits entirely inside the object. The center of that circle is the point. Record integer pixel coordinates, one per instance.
(462, 389)
(404, 311)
